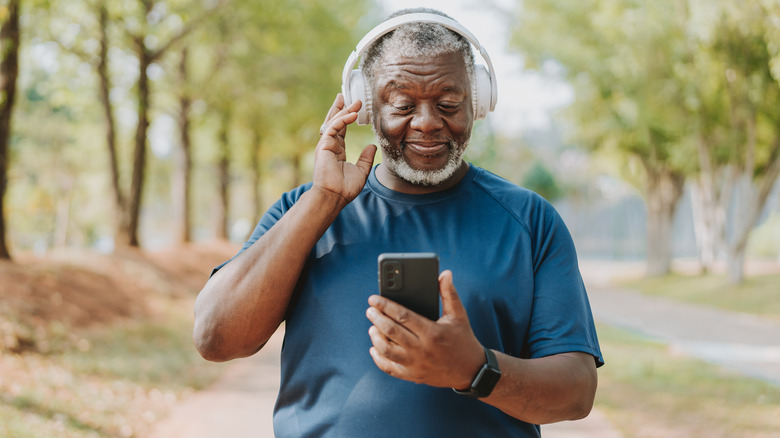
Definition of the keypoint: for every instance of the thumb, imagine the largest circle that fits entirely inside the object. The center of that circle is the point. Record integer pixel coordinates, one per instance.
(366, 159)
(450, 301)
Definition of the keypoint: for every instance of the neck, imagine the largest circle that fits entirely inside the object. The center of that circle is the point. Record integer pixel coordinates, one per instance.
(389, 179)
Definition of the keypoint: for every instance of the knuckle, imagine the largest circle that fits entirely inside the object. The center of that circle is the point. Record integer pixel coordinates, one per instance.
(385, 350)
(403, 316)
(392, 331)
(437, 337)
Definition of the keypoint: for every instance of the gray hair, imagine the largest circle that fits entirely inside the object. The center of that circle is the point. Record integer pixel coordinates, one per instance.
(417, 40)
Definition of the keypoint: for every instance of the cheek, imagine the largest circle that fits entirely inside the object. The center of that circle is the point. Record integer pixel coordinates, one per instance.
(392, 126)
(461, 128)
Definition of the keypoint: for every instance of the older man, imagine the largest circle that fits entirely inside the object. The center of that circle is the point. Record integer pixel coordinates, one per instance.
(516, 340)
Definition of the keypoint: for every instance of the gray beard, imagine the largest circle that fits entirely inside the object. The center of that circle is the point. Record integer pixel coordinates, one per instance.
(420, 177)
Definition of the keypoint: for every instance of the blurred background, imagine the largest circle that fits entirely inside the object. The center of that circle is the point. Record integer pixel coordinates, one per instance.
(141, 140)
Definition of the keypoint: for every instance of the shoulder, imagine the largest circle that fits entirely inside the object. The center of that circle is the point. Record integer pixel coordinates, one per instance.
(289, 199)
(525, 205)
(279, 208)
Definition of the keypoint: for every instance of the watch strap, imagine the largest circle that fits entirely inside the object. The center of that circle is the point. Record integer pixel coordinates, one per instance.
(486, 378)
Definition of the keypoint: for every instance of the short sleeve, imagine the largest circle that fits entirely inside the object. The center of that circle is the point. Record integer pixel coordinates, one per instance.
(269, 219)
(561, 320)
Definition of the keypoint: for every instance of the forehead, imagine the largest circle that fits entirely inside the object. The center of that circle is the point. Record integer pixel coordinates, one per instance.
(445, 72)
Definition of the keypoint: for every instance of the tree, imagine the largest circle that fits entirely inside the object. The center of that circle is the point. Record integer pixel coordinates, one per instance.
(272, 69)
(739, 128)
(9, 70)
(620, 57)
(542, 181)
(147, 29)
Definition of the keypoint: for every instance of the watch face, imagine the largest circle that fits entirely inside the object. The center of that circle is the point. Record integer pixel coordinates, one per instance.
(486, 380)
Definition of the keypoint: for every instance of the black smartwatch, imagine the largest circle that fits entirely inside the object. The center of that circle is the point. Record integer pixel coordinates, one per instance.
(486, 378)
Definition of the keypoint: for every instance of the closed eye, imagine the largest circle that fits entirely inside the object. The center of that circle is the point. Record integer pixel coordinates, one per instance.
(449, 107)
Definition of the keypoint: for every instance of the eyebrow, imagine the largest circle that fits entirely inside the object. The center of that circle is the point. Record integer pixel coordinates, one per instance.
(396, 85)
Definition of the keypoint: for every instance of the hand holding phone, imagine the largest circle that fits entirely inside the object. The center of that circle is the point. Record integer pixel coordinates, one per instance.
(411, 280)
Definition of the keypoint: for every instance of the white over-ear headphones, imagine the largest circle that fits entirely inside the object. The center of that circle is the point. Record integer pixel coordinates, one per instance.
(354, 87)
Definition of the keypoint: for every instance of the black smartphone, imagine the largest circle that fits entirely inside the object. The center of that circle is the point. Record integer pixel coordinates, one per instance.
(411, 280)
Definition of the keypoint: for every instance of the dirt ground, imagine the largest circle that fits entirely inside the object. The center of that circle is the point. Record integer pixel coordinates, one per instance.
(78, 288)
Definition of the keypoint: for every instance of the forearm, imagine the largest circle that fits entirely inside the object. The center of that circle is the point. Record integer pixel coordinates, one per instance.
(545, 390)
(242, 304)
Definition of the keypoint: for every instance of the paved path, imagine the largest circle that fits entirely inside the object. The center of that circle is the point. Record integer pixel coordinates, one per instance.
(238, 405)
(241, 402)
(746, 343)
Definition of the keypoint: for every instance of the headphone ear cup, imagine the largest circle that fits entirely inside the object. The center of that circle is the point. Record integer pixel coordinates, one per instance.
(358, 91)
(484, 92)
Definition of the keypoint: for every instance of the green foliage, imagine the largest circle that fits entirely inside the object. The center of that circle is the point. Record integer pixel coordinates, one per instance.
(542, 181)
(621, 58)
(274, 65)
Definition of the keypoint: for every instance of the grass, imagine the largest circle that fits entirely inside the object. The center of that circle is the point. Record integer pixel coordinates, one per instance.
(759, 295)
(647, 390)
(115, 382)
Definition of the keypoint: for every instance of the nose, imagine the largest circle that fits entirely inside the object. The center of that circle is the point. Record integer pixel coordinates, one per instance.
(427, 118)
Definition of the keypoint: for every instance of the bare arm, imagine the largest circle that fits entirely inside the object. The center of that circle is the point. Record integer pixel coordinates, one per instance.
(242, 304)
(445, 353)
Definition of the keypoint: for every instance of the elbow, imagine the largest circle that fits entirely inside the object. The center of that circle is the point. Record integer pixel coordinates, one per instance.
(583, 404)
(206, 334)
(216, 345)
(580, 410)
(207, 345)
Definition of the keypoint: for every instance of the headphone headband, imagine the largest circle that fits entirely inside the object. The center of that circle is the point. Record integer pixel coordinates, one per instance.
(388, 26)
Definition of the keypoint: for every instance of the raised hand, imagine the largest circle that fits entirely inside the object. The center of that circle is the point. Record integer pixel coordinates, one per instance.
(332, 172)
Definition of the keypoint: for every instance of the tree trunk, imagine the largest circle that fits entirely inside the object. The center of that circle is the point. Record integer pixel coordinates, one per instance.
(736, 263)
(128, 232)
(182, 166)
(664, 189)
(711, 196)
(752, 197)
(297, 162)
(223, 175)
(256, 150)
(108, 112)
(9, 71)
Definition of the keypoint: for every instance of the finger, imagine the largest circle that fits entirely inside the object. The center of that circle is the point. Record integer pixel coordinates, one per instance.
(338, 109)
(450, 301)
(390, 328)
(386, 347)
(352, 108)
(338, 105)
(339, 124)
(401, 317)
(388, 366)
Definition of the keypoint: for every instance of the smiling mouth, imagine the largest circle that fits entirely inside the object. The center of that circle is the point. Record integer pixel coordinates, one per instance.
(427, 148)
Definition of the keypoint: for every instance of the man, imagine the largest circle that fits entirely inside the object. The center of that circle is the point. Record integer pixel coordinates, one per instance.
(520, 307)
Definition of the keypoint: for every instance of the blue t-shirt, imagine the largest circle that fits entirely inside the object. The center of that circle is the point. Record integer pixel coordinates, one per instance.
(515, 269)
